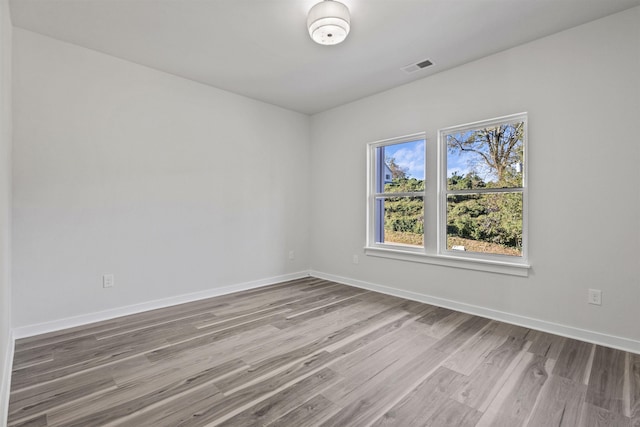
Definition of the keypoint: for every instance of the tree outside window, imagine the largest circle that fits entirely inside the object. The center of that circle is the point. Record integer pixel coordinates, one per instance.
(484, 189)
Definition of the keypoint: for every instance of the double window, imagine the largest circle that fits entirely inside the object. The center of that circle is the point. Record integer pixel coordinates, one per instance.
(480, 208)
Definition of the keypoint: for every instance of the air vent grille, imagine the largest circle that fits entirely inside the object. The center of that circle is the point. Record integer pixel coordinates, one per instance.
(412, 68)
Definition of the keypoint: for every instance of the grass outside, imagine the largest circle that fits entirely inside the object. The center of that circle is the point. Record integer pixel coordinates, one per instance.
(405, 238)
(482, 247)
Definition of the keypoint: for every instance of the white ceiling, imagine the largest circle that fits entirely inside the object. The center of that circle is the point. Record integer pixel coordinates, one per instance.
(261, 48)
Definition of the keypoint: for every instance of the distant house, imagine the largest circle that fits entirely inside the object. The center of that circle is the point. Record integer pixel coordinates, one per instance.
(388, 175)
(518, 167)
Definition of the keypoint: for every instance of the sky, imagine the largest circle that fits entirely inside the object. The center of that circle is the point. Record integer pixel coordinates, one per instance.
(410, 156)
(457, 164)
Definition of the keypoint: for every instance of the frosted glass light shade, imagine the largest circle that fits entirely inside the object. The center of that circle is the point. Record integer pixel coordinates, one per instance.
(328, 22)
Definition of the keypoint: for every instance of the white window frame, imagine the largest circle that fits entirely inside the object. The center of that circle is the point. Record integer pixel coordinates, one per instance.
(437, 253)
(444, 192)
(373, 194)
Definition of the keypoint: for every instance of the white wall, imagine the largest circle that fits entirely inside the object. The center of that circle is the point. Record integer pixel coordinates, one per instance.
(581, 88)
(173, 186)
(5, 205)
(177, 187)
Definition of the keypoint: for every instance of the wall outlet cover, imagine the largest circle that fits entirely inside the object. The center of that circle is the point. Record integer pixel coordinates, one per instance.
(595, 296)
(108, 280)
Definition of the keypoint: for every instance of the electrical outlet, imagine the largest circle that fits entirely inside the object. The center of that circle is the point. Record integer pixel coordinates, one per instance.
(108, 280)
(292, 255)
(595, 296)
(355, 259)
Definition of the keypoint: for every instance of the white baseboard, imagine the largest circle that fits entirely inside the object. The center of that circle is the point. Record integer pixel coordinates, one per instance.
(620, 343)
(515, 319)
(70, 322)
(5, 386)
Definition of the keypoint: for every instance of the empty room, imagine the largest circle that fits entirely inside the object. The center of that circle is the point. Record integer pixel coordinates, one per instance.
(319, 213)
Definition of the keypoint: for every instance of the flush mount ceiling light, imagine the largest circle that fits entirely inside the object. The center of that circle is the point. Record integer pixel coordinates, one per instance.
(328, 22)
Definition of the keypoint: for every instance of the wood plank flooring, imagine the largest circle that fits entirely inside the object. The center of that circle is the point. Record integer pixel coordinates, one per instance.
(315, 353)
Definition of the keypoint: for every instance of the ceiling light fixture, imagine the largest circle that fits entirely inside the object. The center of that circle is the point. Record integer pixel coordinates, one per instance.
(328, 22)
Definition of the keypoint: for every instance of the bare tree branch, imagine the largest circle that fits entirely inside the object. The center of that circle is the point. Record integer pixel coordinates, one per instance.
(495, 146)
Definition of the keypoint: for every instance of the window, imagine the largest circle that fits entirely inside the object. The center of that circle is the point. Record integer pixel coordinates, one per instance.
(396, 192)
(476, 212)
(482, 188)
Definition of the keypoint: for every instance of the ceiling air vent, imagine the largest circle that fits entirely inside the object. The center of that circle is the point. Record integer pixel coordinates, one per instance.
(418, 66)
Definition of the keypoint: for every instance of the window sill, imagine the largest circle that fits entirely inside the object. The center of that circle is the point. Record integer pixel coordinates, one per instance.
(502, 267)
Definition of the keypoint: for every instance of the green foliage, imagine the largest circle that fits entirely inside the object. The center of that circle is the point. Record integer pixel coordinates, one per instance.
(404, 214)
(493, 217)
(465, 182)
(404, 185)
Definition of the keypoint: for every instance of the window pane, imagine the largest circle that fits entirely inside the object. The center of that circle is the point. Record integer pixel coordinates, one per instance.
(489, 223)
(489, 157)
(400, 220)
(400, 167)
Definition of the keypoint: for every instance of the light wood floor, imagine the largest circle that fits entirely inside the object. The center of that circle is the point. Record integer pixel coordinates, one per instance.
(315, 353)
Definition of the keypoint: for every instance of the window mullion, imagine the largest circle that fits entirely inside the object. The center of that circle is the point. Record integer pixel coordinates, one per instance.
(484, 190)
(400, 194)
